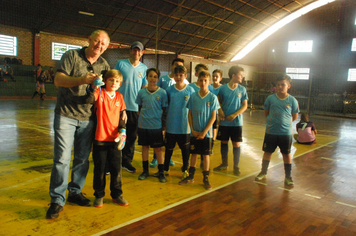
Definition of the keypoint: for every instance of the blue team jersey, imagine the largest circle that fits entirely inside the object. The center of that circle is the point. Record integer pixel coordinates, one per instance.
(194, 86)
(133, 79)
(231, 101)
(279, 119)
(177, 115)
(201, 108)
(214, 90)
(152, 104)
(166, 81)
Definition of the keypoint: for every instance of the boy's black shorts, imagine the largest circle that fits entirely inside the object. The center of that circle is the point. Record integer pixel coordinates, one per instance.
(271, 141)
(182, 140)
(201, 146)
(227, 132)
(150, 137)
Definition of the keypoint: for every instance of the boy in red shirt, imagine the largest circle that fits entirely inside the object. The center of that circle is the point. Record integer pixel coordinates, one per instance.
(110, 137)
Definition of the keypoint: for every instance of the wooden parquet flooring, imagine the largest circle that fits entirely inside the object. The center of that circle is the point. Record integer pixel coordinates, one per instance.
(322, 202)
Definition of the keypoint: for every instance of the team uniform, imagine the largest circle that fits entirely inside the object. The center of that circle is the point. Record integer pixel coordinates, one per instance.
(134, 77)
(107, 109)
(231, 100)
(194, 86)
(149, 121)
(178, 130)
(216, 92)
(201, 108)
(305, 132)
(166, 81)
(279, 123)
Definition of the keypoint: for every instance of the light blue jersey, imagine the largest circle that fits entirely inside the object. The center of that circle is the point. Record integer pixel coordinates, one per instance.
(231, 101)
(166, 81)
(201, 108)
(177, 115)
(214, 90)
(194, 86)
(279, 119)
(152, 104)
(133, 79)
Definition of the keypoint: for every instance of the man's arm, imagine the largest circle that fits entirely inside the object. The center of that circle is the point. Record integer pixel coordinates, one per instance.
(63, 80)
(266, 113)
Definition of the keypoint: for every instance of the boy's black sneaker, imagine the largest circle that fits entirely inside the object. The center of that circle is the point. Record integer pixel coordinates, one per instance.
(79, 199)
(237, 171)
(53, 211)
(129, 168)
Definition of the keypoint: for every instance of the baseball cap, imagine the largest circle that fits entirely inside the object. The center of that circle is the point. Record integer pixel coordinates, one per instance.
(138, 45)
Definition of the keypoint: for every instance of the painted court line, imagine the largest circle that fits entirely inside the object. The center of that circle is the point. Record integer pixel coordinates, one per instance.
(345, 204)
(313, 196)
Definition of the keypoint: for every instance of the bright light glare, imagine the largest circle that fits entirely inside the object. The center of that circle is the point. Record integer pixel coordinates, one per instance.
(279, 25)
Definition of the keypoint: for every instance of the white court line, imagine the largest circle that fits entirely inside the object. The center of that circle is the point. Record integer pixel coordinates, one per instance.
(309, 195)
(345, 204)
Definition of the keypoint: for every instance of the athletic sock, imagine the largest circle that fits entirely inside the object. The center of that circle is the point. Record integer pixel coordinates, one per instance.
(288, 170)
(185, 157)
(265, 164)
(145, 166)
(167, 158)
(160, 168)
(236, 151)
(224, 153)
(191, 172)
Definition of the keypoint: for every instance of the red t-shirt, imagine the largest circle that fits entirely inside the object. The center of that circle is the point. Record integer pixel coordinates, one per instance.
(108, 115)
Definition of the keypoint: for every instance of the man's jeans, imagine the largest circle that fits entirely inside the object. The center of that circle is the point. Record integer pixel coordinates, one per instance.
(67, 131)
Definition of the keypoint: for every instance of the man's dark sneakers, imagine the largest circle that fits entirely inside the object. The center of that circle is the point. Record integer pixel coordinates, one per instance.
(53, 211)
(79, 199)
(129, 168)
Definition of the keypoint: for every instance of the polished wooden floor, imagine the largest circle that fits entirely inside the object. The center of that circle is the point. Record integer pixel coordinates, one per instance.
(322, 202)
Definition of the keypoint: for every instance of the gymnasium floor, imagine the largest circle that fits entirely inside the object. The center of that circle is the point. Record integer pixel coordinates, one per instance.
(321, 202)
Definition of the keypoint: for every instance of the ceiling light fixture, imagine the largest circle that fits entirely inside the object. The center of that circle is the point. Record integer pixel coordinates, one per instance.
(279, 25)
(86, 13)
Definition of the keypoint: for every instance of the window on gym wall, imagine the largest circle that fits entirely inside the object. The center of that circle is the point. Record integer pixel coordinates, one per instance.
(298, 73)
(353, 45)
(352, 75)
(300, 46)
(59, 48)
(8, 45)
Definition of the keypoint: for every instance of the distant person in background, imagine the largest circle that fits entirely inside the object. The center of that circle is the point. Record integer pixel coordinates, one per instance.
(50, 74)
(273, 88)
(6, 70)
(306, 130)
(41, 77)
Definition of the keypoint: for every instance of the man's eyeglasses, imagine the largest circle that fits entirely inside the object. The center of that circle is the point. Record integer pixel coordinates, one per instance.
(90, 68)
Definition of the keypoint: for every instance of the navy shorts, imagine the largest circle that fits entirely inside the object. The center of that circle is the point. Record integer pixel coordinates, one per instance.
(227, 132)
(201, 146)
(183, 140)
(150, 137)
(271, 141)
